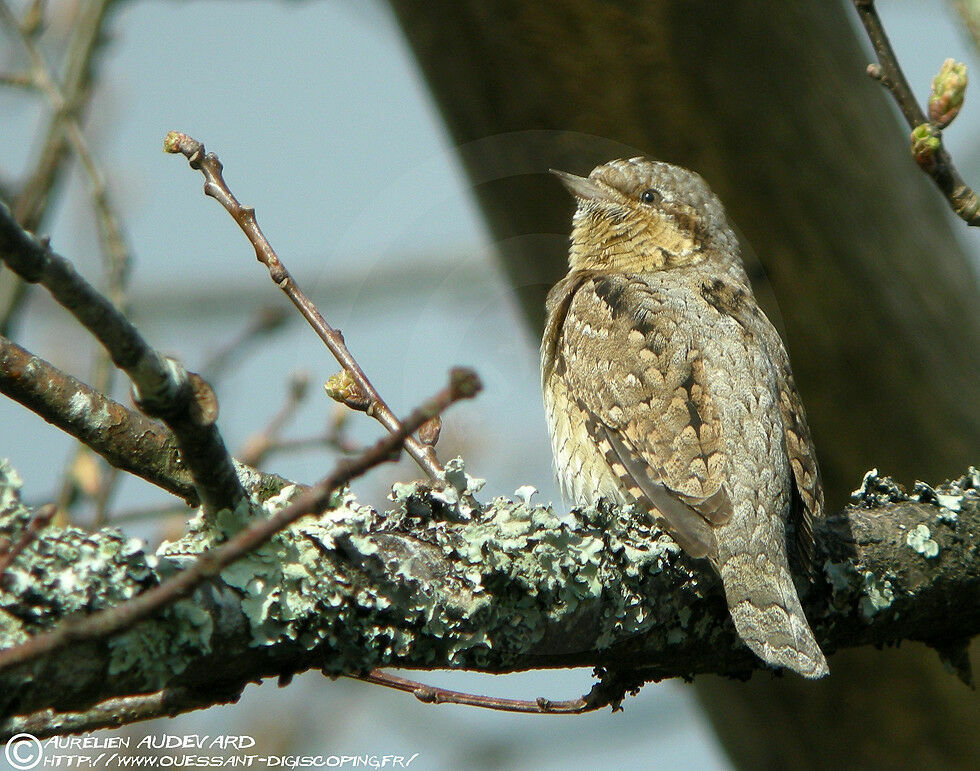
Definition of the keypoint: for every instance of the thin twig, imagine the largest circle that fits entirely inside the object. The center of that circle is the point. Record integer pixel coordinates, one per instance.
(215, 186)
(113, 713)
(962, 199)
(464, 384)
(31, 202)
(162, 388)
(333, 438)
(40, 519)
(156, 513)
(17, 80)
(435, 695)
(257, 446)
(114, 247)
(114, 243)
(266, 321)
(108, 484)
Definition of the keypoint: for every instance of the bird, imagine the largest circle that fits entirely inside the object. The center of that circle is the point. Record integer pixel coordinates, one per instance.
(666, 387)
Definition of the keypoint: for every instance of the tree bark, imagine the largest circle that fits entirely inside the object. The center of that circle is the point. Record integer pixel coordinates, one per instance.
(769, 101)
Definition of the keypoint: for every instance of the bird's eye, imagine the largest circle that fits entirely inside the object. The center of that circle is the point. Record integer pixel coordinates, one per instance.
(650, 196)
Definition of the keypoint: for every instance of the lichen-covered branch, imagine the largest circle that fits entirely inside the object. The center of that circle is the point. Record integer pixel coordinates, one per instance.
(516, 587)
(240, 532)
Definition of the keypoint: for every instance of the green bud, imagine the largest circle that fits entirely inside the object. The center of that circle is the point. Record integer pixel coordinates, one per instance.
(344, 389)
(925, 142)
(948, 89)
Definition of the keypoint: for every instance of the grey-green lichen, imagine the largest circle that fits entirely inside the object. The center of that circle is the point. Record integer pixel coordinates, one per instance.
(841, 576)
(543, 566)
(876, 490)
(68, 571)
(353, 580)
(878, 595)
(918, 539)
(948, 498)
(162, 647)
(869, 565)
(849, 584)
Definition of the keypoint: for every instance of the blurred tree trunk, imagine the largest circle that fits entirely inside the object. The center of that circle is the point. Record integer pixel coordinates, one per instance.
(769, 101)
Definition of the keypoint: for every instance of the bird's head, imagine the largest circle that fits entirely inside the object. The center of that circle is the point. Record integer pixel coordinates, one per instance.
(639, 215)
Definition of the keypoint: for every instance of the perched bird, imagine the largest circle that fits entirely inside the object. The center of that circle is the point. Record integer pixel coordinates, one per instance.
(665, 386)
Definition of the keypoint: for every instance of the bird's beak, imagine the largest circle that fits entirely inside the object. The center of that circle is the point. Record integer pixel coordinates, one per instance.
(580, 187)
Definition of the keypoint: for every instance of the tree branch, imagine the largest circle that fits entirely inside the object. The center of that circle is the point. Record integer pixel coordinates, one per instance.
(518, 587)
(113, 713)
(162, 388)
(463, 385)
(127, 440)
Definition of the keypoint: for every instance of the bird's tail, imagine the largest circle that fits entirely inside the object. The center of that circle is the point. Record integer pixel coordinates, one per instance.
(767, 612)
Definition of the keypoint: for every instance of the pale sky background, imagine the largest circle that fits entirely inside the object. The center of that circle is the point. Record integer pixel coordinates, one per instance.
(324, 125)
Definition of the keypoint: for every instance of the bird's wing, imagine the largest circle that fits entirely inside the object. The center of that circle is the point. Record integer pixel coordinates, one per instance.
(808, 500)
(808, 487)
(644, 393)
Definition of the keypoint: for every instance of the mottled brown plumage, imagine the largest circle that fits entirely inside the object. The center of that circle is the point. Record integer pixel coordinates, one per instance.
(666, 386)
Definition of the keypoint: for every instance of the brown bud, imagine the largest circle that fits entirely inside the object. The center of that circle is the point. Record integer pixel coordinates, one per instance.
(204, 407)
(464, 383)
(429, 431)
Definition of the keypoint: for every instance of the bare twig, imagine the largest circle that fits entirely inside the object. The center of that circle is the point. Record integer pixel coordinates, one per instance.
(17, 80)
(108, 484)
(32, 200)
(258, 446)
(332, 438)
(173, 701)
(114, 243)
(114, 246)
(266, 321)
(936, 162)
(156, 513)
(41, 518)
(113, 713)
(215, 186)
(335, 437)
(464, 384)
(162, 388)
(600, 696)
